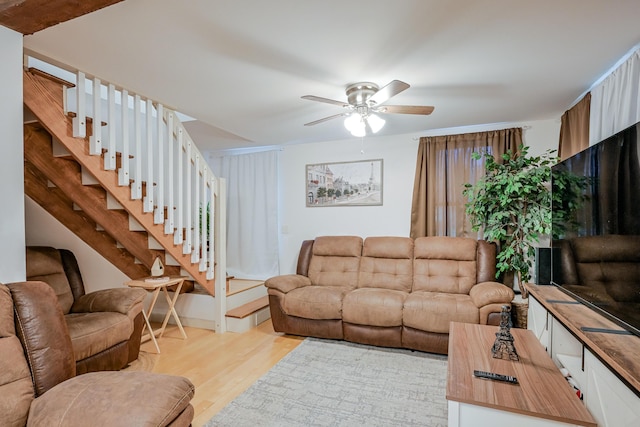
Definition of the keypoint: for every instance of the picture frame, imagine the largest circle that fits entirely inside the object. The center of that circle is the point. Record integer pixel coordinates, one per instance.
(351, 183)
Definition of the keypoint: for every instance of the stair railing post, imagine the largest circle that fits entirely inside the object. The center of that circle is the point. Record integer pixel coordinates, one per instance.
(136, 187)
(80, 120)
(204, 215)
(158, 217)
(169, 223)
(196, 210)
(110, 155)
(220, 285)
(123, 172)
(148, 201)
(211, 228)
(188, 216)
(178, 235)
(95, 140)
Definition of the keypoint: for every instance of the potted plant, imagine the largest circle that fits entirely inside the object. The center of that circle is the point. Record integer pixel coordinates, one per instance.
(511, 203)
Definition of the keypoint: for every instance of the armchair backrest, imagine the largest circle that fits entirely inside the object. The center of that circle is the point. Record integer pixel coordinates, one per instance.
(387, 262)
(335, 261)
(16, 389)
(449, 264)
(35, 346)
(59, 269)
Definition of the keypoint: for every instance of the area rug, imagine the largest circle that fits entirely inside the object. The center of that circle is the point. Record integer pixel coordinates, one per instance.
(336, 383)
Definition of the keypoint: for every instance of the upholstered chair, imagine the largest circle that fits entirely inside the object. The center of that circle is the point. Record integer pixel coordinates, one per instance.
(38, 382)
(105, 326)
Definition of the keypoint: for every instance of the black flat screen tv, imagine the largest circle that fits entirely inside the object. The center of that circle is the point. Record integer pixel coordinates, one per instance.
(596, 227)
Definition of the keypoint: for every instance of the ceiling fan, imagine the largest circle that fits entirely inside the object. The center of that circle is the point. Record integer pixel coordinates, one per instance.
(364, 100)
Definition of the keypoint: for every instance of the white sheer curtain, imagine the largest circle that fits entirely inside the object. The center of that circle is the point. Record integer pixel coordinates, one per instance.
(615, 103)
(252, 213)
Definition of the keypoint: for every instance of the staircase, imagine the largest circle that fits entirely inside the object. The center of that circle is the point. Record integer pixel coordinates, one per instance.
(146, 192)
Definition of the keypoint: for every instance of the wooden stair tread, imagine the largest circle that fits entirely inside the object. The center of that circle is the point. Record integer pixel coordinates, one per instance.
(249, 308)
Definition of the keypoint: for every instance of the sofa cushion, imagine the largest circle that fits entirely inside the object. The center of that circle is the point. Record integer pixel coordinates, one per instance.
(16, 389)
(315, 302)
(444, 264)
(45, 264)
(387, 262)
(433, 311)
(373, 307)
(113, 399)
(92, 333)
(335, 261)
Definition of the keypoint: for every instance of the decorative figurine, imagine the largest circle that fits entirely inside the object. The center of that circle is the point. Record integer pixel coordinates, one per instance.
(503, 346)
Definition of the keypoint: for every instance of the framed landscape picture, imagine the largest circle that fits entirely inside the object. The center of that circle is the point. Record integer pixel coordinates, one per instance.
(357, 183)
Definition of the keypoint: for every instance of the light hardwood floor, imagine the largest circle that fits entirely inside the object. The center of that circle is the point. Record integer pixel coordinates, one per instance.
(221, 366)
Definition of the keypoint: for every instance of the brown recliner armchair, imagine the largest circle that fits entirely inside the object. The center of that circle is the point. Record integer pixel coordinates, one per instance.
(105, 326)
(38, 386)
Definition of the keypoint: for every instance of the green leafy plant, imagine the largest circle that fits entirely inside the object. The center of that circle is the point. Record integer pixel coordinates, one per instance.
(511, 204)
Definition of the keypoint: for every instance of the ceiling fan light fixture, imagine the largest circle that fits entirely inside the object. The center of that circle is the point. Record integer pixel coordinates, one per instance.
(375, 122)
(355, 124)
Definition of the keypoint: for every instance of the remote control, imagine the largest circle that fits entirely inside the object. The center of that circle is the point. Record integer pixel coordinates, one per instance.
(497, 377)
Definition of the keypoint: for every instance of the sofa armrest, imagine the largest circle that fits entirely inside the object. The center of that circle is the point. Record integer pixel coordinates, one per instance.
(287, 282)
(486, 293)
(126, 301)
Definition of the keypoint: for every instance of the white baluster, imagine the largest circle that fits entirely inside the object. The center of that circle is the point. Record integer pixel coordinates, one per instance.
(123, 172)
(150, 189)
(158, 217)
(136, 189)
(203, 220)
(187, 246)
(197, 211)
(110, 155)
(169, 223)
(178, 236)
(80, 120)
(95, 140)
(214, 189)
(65, 101)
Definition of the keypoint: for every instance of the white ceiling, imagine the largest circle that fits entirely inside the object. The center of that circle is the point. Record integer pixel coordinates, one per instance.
(240, 66)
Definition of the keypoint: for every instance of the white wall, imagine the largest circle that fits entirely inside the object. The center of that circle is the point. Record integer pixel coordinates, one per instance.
(44, 230)
(11, 163)
(393, 218)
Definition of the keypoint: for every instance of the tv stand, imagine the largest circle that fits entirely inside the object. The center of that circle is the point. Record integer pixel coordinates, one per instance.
(602, 358)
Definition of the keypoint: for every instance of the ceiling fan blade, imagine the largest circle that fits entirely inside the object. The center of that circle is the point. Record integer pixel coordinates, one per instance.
(335, 116)
(388, 91)
(406, 109)
(325, 100)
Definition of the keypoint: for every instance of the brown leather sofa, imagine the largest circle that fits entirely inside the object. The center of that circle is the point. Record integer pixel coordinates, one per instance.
(105, 326)
(388, 291)
(38, 386)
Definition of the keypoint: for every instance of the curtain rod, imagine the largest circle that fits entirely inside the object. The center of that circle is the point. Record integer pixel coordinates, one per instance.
(526, 127)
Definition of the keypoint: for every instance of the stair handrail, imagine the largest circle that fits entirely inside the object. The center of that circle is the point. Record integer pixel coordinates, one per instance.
(176, 152)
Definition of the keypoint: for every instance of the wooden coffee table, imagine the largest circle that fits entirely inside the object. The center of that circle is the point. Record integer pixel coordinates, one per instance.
(542, 396)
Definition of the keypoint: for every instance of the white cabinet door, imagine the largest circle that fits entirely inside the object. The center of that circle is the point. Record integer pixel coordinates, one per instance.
(608, 399)
(538, 322)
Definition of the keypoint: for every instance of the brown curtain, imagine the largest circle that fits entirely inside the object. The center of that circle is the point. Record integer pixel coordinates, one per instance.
(444, 165)
(574, 130)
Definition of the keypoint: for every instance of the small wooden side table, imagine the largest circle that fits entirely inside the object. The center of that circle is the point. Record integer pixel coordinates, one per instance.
(155, 285)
